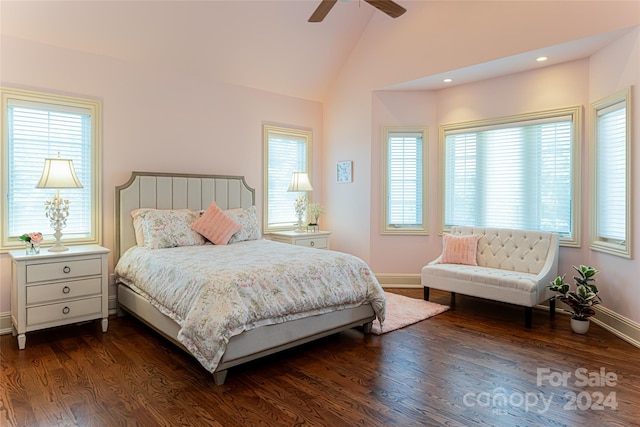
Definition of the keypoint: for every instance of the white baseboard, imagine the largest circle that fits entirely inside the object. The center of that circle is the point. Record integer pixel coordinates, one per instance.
(113, 304)
(5, 323)
(399, 280)
(618, 325)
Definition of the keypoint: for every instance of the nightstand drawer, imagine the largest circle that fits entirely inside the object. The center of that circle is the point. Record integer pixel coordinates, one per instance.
(39, 294)
(64, 310)
(63, 270)
(313, 242)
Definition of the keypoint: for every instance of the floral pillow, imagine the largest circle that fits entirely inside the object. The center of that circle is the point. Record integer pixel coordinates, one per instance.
(215, 225)
(138, 222)
(459, 249)
(248, 220)
(157, 229)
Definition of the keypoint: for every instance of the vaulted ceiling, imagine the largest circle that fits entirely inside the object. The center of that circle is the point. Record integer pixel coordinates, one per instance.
(263, 44)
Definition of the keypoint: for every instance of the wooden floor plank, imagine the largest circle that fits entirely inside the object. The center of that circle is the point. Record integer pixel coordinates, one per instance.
(474, 365)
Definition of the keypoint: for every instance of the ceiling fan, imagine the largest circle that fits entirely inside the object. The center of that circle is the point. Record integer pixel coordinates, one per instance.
(389, 7)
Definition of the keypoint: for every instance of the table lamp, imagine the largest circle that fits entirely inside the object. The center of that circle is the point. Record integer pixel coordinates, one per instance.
(58, 173)
(300, 183)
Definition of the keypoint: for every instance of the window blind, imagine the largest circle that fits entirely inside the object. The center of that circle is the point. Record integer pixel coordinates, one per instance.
(37, 131)
(515, 175)
(611, 172)
(287, 154)
(404, 179)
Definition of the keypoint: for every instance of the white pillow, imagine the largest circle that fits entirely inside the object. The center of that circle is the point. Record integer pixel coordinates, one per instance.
(156, 228)
(247, 218)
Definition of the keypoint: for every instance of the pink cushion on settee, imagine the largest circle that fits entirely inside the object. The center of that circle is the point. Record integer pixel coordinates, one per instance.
(459, 249)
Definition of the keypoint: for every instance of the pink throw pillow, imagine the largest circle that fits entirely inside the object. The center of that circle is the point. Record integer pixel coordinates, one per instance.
(215, 225)
(459, 249)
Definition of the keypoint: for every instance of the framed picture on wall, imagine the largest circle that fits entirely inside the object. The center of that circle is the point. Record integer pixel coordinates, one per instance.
(345, 171)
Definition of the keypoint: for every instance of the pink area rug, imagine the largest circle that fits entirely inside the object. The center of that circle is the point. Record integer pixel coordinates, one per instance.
(403, 311)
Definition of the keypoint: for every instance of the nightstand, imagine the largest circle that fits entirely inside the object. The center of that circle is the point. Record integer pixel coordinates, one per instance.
(317, 239)
(58, 288)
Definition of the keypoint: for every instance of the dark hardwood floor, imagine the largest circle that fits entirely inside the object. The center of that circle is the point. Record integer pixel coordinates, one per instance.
(475, 365)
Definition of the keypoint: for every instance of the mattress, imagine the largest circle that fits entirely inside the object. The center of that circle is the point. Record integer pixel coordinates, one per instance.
(214, 292)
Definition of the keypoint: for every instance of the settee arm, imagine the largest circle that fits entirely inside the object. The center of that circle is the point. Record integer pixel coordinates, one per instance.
(550, 270)
(436, 261)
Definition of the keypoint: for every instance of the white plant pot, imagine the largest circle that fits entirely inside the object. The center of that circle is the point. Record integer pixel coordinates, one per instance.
(580, 326)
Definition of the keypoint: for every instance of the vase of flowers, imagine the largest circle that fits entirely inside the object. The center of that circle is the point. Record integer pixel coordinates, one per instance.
(315, 210)
(582, 300)
(32, 242)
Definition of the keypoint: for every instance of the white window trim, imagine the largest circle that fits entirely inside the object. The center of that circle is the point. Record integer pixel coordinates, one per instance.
(95, 107)
(576, 112)
(424, 228)
(622, 249)
(307, 135)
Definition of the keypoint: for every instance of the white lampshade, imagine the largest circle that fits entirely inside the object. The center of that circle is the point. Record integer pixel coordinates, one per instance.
(300, 182)
(58, 173)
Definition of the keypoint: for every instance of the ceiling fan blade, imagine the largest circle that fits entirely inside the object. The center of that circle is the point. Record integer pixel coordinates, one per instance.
(321, 11)
(389, 7)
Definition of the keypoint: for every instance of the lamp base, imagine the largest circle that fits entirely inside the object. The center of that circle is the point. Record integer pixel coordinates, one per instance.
(301, 228)
(58, 248)
(57, 210)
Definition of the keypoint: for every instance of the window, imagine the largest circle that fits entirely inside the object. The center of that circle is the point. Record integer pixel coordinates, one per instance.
(515, 172)
(286, 151)
(36, 126)
(404, 181)
(610, 225)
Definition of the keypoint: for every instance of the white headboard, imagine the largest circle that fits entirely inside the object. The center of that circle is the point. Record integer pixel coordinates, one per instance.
(174, 191)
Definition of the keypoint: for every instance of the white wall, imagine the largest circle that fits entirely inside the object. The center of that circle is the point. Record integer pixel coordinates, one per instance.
(357, 108)
(559, 86)
(434, 37)
(402, 108)
(619, 285)
(159, 120)
(167, 120)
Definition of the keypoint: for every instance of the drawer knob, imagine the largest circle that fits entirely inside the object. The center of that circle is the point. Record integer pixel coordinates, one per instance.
(66, 290)
(66, 310)
(313, 243)
(66, 269)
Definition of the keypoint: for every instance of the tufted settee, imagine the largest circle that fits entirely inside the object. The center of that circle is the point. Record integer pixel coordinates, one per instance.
(513, 266)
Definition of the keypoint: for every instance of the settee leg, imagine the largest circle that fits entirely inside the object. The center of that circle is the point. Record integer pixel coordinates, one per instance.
(528, 314)
(426, 293)
(552, 309)
(453, 300)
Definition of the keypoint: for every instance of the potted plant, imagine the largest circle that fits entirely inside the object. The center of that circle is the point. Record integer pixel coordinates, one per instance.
(582, 300)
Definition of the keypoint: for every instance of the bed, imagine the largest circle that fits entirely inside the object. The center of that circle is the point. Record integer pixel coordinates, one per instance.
(302, 277)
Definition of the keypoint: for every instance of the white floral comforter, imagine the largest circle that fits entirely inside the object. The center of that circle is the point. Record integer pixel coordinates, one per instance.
(216, 292)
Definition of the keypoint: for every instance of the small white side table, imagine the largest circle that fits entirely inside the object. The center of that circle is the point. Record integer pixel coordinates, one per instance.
(58, 288)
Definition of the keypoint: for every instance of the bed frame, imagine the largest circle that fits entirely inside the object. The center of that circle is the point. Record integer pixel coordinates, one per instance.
(179, 191)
